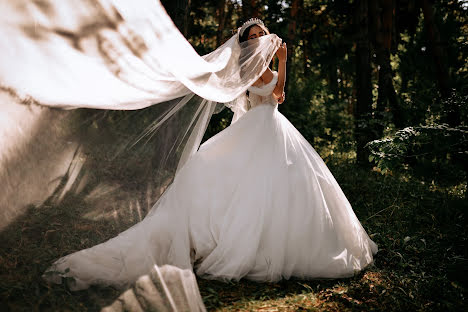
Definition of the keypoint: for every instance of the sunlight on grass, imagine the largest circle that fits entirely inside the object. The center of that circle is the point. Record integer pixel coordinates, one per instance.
(418, 227)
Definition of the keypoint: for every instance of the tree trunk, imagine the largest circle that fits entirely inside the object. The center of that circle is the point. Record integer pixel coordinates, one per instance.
(363, 106)
(332, 68)
(221, 19)
(179, 11)
(436, 49)
(438, 54)
(249, 9)
(383, 24)
(292, 30)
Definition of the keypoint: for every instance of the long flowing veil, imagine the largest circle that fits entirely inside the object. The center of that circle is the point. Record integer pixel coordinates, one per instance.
(102, 100)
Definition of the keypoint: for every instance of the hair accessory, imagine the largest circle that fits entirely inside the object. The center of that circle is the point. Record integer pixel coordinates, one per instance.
(250, 22)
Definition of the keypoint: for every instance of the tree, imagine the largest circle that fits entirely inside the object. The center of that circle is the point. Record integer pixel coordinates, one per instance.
(363, 106)
(223, 15)
(439, 56)
(382, 14)
(250, 9)
(178, 10)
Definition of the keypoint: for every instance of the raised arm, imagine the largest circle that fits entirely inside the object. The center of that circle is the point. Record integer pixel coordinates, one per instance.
(278, 92)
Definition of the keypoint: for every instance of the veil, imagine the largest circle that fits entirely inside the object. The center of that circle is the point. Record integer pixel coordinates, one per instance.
(102, 100)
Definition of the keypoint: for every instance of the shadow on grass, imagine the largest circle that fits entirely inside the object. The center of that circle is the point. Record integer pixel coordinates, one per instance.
(69, 220)
(420, 265)
(31, 243)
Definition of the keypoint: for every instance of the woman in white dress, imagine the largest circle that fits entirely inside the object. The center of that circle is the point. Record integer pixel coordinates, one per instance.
(256, 201)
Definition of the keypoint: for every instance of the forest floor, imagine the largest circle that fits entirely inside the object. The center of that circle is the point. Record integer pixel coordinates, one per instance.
(421, 264)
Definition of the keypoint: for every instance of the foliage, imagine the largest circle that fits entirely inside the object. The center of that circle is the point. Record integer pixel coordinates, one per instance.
(321, 84)
(432, 152)
(435, 151)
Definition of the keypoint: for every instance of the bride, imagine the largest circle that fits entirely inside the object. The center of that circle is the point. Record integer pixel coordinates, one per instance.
(256, 201)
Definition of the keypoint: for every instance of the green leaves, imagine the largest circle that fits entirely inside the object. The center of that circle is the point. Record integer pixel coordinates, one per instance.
(435, 151)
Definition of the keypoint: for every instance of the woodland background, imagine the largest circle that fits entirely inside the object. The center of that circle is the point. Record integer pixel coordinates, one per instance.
(383, 79)
(379, 88)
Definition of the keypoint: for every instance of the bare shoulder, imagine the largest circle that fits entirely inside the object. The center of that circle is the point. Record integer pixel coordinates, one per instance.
(267, 76)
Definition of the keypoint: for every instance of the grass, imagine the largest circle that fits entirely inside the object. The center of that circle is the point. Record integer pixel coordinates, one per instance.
(421, 264)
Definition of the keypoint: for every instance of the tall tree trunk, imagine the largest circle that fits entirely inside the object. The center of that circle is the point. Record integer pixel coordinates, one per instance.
(186, 18)
(249, 9)
(292, 30)
(436, 49)
(292, 27)
(383, 24)
(221, 19)
(363, 106)
(332, 68)
(179, 11)
(439, 57)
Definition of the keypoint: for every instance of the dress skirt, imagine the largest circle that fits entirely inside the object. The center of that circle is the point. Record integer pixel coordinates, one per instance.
(256, 201)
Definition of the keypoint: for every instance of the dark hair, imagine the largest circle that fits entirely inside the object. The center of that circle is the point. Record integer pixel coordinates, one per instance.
(245, 35)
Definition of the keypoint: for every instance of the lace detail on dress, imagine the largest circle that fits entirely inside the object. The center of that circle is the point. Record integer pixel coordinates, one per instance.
(263, 94)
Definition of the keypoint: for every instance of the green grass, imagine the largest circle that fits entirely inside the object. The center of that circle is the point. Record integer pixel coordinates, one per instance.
(421, 264)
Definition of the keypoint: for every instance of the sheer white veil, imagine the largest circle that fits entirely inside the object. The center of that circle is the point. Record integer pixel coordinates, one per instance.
(110, 55)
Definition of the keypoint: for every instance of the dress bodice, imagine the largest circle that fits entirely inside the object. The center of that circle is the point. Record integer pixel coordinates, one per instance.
(259, 95)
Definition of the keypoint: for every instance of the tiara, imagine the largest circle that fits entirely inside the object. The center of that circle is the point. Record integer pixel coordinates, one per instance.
(250, 22)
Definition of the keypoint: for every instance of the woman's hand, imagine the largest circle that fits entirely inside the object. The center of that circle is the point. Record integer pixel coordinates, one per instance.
(282, 52)
(282, 98)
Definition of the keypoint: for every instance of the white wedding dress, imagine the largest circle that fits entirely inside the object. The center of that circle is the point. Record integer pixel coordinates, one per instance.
(256, 201)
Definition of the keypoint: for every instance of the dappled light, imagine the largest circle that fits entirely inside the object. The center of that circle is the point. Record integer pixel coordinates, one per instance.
(30, 153)
(147, 162)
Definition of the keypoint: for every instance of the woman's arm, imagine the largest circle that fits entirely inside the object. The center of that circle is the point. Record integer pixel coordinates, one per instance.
(278, 92)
